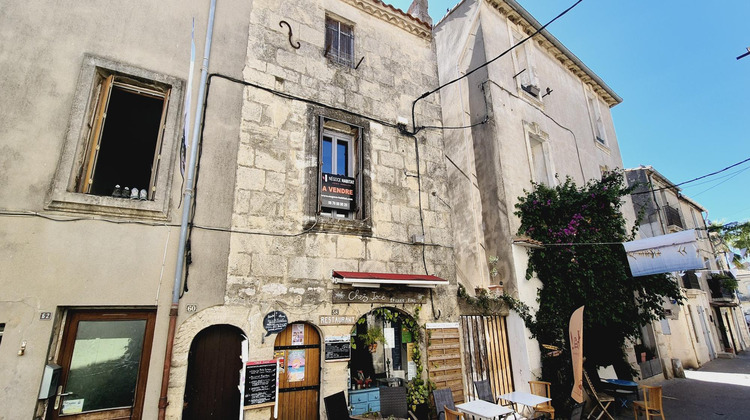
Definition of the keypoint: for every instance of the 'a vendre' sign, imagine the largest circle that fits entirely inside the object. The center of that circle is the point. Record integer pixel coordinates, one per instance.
(337, 192)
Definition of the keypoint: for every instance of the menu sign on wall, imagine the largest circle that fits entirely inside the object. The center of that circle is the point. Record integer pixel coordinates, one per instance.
(337, 192)
(338, 348)
(261, 383)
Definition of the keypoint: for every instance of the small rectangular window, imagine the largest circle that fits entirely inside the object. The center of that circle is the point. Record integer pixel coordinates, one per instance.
(525, 67)
(340, 174)
(2, 330)
(596, 121)
(125, 139)
(339, 42)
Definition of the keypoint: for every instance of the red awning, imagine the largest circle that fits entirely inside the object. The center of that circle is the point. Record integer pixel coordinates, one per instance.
(362, 279)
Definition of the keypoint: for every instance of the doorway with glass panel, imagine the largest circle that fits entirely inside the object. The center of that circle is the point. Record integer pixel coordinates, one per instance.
(104, 356)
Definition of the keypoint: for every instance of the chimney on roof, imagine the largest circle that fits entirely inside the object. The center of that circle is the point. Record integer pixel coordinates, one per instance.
(418, 9)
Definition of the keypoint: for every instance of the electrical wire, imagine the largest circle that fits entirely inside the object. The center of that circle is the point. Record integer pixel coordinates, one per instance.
(694, 179)
(575, 139)
(426, 94)
(728, 179)
(24, 213)
(299, 98)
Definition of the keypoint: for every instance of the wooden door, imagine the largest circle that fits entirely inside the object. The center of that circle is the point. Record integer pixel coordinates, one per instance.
(299, 379)
(214, 363)
(104, 356)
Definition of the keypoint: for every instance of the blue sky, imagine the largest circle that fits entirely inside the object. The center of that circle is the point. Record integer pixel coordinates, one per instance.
(686, 98)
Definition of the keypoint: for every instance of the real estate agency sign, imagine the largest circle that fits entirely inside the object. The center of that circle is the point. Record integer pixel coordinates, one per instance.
(337, 192)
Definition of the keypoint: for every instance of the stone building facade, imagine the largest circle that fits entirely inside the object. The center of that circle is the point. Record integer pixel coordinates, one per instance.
(328, 187)
(710, 323)
(536, 114)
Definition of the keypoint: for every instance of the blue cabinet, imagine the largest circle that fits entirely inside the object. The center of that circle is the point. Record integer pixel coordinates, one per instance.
(364, 400)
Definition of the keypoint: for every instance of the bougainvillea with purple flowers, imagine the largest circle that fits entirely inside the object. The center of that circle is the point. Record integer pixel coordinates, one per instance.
(583, 262)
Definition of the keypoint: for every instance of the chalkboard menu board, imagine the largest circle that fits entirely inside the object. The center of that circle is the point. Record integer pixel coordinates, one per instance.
(260, 383)
(338, 348)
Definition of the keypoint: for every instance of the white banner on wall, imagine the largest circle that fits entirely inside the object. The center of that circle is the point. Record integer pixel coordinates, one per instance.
(664, 254)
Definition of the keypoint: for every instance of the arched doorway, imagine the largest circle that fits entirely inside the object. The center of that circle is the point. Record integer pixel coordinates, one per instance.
(299, 376)
(389, 362)
(213, 376)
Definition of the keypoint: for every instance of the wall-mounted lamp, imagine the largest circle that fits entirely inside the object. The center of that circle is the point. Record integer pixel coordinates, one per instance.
(22, 350)
(548, 92)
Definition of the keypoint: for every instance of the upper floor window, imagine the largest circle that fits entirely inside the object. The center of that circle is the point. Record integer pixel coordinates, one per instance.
(540, 164)
(340, 170)
(526, 75)
(124, 144)
(339, 42)
(596, 120)
(122, 136)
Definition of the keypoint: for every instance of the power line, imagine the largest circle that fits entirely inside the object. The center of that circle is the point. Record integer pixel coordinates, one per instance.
(714, 186)
(426, 94)
(694, 179)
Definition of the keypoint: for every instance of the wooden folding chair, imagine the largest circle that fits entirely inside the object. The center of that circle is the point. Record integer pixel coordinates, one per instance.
(541, 388)
(453, 414)
(602, 400)
(651, 403)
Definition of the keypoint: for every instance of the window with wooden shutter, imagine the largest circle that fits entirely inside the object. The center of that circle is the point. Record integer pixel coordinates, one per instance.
(125, 141)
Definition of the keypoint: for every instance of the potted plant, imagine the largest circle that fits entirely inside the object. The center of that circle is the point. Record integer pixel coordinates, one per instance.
(372, 337)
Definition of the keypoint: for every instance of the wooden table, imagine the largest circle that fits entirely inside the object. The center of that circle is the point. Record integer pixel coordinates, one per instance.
(524, 398)
(484, 409)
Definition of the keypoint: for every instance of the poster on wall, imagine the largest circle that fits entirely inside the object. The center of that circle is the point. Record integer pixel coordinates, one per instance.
(295, 365)
(298, 334)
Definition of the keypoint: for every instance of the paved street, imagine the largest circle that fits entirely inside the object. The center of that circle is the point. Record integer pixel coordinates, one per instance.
(719, 390)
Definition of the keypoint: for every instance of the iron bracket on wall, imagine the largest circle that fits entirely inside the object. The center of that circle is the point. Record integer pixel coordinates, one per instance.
(281, 24)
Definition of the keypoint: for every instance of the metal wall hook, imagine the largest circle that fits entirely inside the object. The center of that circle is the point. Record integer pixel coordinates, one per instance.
(289, 27)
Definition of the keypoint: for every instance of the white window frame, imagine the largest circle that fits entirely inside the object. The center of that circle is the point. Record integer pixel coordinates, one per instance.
(529, 76)
(337, 138)
(533, 133)
(596, 120)
(65, 194)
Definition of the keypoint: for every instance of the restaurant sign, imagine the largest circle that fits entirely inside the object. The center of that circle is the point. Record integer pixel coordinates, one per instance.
(337, 192)
(365, 295)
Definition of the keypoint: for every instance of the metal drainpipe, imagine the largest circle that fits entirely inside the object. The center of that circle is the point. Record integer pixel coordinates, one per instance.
(187, 205)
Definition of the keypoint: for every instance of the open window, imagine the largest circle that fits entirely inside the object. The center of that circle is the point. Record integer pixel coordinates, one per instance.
(124, 130)
(123, 149)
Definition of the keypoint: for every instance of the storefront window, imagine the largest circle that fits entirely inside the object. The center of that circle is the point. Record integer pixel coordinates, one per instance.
(382, 353)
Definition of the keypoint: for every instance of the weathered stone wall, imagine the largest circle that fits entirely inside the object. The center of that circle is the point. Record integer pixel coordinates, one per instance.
(282, 253)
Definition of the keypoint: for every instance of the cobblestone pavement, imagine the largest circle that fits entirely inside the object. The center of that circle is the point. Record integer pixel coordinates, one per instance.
(719, 390)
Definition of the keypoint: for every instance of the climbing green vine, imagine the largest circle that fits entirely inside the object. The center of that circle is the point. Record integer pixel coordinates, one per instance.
(584, 263)
(418, 390)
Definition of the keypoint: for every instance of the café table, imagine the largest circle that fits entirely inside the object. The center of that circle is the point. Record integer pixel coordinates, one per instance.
(622, 390)
(483, 409)
(526, 399)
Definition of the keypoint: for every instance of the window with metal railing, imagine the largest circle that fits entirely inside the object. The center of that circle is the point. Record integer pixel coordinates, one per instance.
(673, 217)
